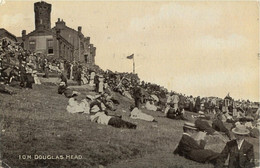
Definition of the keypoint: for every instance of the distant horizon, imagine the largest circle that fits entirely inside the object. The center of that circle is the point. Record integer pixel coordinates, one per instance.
(194, 48)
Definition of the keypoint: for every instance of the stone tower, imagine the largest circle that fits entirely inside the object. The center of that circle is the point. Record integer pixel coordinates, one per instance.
(42, 11)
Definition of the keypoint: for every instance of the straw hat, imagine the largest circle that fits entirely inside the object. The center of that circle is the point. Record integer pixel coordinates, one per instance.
(189, 126)
(240, 130)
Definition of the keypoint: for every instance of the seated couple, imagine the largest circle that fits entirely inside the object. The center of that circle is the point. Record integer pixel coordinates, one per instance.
(175, 113)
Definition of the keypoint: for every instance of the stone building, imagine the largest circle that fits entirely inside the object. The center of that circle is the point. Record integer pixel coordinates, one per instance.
(60, 41)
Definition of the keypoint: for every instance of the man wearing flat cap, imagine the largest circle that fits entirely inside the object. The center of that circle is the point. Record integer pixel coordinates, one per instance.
(192, 149)
(239, 151)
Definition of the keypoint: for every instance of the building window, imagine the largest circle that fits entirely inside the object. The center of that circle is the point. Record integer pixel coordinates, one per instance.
(32, 45)
(50, 46)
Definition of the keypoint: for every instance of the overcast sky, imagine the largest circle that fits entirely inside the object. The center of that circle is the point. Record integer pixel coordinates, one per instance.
(196, 48)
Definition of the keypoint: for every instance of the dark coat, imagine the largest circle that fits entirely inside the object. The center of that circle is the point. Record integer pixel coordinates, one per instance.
(218, 125)
(137, 93)
(243, 158)
(174, 114)
(64, 79)
(190, 149)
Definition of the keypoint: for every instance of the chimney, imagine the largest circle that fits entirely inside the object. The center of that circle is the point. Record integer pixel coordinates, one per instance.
(23, 34)
(79, 29)
(60, 24)
(91, 48)
(88, 40)
(94, 51)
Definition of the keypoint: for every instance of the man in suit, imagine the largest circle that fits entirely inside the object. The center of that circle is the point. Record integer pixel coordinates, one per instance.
(194, 149)
(239, 151)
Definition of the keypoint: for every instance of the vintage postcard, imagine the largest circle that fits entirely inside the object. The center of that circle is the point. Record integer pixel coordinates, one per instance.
(129, 84)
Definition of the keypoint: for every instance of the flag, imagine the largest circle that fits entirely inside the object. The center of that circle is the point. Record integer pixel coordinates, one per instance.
(130, 56)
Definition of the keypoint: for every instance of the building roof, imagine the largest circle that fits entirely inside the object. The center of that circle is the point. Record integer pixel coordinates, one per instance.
(3, 31)
(47, 32)
(40, 32)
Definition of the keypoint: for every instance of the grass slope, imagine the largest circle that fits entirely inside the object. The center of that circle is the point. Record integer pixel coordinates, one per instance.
(35, 122)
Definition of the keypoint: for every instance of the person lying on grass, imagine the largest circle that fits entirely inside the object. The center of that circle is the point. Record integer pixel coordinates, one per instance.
(115, 121)
(138, 114)
(193, 148)
(88, 105)
(99, 114)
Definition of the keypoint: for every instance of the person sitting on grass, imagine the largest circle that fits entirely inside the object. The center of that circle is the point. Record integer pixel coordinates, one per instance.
(78, 107)
(64, 79)
(252, 127)
(150, 105)
(204, 126)
(194, 149)
(239, 151)
(218, 125)
(108, 101)
(175, 114)
(63, 89)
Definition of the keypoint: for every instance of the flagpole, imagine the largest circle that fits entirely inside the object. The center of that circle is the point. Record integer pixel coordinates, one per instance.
(134, 64)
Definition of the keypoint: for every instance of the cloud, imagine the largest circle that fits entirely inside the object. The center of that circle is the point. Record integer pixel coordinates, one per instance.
(178, 14)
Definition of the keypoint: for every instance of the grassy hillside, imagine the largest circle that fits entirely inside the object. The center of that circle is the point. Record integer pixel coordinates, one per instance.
(35, 122)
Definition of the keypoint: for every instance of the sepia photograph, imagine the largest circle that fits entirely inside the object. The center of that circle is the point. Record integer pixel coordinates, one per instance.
(129, 84)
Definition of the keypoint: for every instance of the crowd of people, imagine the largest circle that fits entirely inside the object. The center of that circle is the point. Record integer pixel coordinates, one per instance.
(17, 64)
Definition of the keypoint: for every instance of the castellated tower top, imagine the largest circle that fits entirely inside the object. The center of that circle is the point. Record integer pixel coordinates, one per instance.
(42, 11)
